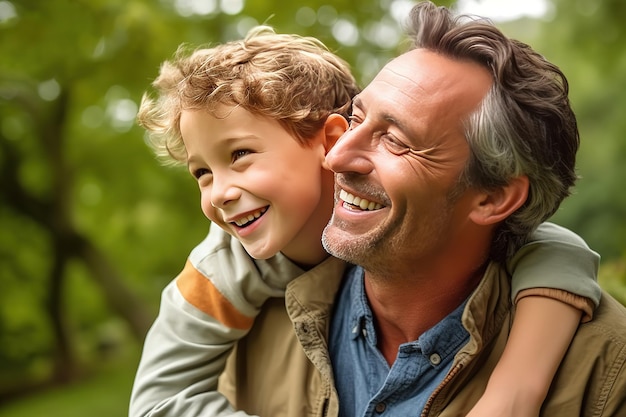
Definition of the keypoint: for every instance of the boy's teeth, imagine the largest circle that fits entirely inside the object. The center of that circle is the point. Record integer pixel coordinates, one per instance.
(249, 218)
(358, 201)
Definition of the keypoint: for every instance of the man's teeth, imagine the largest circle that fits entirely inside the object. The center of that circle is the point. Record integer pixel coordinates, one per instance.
(250, 217)
(358, 201)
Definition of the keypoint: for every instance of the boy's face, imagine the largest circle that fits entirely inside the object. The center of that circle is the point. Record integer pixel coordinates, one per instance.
(256, 181)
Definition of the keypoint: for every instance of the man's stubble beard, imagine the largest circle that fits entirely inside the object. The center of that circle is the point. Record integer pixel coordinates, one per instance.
(378, 251)
(372, 251)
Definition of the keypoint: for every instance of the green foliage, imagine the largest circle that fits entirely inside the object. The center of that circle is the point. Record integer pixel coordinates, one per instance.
(586, 39)
(612, 278)
(105, 395)
(75, 165)
(72, 74)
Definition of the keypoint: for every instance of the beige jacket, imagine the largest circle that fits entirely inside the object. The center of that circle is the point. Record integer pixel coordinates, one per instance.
(274, 363)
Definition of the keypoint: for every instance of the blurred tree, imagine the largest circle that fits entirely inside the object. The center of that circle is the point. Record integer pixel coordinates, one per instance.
(93, 227)
(41, 165)
(587, 40)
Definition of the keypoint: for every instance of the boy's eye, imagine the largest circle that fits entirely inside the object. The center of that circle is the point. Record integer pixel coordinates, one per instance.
(240, 153)
(200, 172)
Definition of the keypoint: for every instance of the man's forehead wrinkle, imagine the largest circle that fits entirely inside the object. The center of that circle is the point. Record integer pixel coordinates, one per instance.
(402, 86)
(406, 73)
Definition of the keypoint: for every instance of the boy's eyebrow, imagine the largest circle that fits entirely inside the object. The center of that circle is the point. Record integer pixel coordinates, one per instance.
(226, 141)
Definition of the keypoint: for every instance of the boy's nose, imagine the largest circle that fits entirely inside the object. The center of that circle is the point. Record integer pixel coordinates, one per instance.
(223, 192)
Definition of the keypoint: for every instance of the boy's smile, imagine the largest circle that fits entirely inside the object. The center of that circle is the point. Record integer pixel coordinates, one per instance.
(248, 219)
(257, 181)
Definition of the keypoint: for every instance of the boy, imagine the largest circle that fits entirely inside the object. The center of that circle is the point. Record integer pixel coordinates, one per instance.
(253, 120)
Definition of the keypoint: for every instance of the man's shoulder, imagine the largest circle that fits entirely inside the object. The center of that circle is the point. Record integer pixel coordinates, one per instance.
(592, 377)
(599, 345)
(605, 335)
(609, 319)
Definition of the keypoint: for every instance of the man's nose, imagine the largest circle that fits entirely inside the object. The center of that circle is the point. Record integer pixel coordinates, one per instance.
(351, 153)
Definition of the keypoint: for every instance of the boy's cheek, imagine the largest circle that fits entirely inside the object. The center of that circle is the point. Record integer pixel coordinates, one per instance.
(209, 211)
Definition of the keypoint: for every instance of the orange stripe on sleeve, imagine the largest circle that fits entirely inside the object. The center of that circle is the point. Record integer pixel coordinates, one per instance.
(202, 294)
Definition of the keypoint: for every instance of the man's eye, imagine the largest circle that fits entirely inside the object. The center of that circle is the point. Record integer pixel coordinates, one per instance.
(353, 121)
(394, 146)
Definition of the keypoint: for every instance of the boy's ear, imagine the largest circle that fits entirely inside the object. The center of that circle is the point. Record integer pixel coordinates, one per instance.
(335, 126)
(494, 206)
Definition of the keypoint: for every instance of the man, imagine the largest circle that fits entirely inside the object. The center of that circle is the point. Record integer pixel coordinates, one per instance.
(464, 145)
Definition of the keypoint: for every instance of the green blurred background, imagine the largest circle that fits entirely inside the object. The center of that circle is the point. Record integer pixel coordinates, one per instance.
(92, 227)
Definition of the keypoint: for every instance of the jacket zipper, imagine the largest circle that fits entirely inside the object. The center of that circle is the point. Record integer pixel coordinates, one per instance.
(325, 408)
(441, 386)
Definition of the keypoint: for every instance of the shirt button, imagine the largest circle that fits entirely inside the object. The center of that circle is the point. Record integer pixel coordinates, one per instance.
(380, 408)
(435, 359)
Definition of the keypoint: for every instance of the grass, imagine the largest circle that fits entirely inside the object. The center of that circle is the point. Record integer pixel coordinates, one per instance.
(106, 394)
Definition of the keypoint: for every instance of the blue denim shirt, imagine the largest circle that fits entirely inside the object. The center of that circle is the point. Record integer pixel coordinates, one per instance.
(365, 383)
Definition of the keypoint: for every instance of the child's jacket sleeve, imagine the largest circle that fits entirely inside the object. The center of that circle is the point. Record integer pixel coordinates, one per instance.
(557, 263)
(204, 311)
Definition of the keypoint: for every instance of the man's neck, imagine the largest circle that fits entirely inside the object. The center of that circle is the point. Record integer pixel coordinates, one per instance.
(404, 309)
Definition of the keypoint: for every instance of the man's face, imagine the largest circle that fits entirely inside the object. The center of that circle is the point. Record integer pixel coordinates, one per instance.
(398, 164)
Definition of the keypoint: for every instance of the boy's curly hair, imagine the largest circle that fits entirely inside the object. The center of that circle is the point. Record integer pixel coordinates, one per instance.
(293, 79)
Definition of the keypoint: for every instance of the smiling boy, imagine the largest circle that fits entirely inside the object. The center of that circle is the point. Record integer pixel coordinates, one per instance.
(250, 171)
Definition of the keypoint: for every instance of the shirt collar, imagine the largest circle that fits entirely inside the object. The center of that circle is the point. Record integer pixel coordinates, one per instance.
(443, 339)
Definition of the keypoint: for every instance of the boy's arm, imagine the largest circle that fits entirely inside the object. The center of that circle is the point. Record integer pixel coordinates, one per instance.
(541, 333)
(182, 357)
(556, 258)
(554, 284)
(210, 305)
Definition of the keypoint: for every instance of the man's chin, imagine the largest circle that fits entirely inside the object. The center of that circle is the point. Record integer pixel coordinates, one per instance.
(341, 244)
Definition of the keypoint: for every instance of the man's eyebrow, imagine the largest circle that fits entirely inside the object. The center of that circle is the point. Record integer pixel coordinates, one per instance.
(358, 103)
(393, 121)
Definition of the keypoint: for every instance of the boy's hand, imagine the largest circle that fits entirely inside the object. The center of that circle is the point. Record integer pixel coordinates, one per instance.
(505, 404)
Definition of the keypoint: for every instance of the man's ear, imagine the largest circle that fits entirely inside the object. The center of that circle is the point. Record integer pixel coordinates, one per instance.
(495, 206)
(335, 126)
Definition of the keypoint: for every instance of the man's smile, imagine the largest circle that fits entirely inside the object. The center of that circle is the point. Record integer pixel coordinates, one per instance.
(358, 202)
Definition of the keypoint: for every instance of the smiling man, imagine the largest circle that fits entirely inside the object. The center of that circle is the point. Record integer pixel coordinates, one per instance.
(456, 151)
